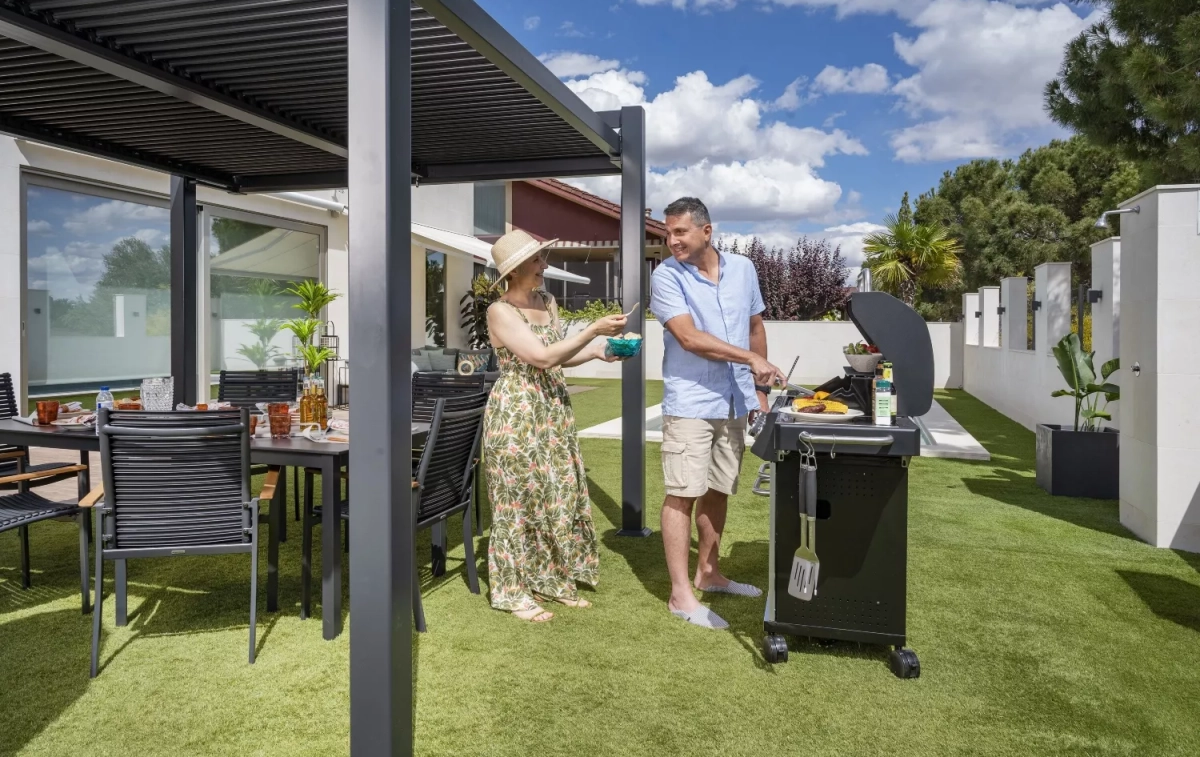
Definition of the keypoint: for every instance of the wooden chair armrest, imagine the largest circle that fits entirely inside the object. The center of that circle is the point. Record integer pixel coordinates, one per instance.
(42, 474)
(93, 496)
(268, 490)
(12, 454)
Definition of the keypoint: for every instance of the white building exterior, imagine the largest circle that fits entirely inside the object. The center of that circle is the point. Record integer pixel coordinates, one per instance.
(54, 244)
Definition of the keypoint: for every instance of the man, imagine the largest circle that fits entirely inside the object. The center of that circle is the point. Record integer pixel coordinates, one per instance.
(715, 373)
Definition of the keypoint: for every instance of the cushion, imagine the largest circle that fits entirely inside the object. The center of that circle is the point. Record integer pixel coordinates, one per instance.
(420, 358)
(443, 360)
(480, 359)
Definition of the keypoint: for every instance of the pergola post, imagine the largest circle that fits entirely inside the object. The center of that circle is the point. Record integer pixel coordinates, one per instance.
(633, 371)
(185, 290)
(381, 563)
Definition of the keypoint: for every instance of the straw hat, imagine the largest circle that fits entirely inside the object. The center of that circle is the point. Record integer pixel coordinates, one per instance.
(513, 249)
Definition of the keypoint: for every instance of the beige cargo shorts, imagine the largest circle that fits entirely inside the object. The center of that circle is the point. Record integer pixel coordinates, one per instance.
(698, 455)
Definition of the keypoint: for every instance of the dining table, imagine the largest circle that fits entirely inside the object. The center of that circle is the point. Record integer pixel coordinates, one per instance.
(329, 458)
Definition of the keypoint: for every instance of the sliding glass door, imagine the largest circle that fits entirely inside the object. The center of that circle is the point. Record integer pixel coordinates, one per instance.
(252, 261)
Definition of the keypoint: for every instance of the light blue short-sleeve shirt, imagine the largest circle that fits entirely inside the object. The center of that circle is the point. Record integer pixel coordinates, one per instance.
(694, 386)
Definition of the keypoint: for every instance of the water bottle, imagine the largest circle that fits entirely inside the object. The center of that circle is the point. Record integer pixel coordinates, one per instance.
(104, 399)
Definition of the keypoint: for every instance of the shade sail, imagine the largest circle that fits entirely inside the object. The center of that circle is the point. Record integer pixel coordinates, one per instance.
(461, 244)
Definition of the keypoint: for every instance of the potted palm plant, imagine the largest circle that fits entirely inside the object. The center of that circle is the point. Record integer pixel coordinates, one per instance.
(1083, 460)
(313, 297)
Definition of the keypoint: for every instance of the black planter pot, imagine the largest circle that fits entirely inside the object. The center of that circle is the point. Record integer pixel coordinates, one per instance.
(1078, 463)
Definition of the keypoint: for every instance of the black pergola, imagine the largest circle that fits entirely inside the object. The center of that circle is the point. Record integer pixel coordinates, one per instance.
(376, 95)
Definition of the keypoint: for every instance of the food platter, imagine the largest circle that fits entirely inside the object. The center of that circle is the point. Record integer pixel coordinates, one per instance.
(796, 415)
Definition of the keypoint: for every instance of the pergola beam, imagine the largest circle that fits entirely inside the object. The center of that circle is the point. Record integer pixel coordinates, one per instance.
(35, 32)
(457, 173)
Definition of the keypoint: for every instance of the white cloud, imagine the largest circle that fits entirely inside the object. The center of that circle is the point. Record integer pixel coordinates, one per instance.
(714, 141)
(981, 68)
(697, 4)
(698, 120)
(114, 215)
(572, 64)
(38, 227)
(850, 238)
(791, 99)
(869, 79)
(832, 119)
(532, 22)
(842, 7)
(568, 29)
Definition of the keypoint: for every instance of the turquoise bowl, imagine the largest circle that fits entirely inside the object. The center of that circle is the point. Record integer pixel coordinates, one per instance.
(624, 347)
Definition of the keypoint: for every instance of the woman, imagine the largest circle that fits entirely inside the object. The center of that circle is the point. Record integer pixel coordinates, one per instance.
(542, 539)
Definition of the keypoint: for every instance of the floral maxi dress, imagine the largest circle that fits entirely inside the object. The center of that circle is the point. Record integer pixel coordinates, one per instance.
(542, 539)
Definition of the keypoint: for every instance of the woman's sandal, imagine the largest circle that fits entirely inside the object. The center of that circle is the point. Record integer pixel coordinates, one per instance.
(536, 615)
(577, 602)
(580, 602)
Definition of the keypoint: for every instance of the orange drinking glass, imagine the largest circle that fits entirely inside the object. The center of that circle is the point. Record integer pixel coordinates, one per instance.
(47, 412)
(280, 418)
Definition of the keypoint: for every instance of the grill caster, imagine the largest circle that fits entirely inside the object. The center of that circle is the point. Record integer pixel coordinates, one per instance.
(775, 648)
(904, 663)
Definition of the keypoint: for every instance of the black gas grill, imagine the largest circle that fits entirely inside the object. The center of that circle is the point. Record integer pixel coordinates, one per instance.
(862, 496)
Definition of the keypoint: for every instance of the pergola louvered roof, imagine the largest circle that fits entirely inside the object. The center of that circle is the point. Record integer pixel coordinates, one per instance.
(253, 94)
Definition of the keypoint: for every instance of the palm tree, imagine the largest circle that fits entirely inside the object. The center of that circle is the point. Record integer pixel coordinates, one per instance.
(907, 257)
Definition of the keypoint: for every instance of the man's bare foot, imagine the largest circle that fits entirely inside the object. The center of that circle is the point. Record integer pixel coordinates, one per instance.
(685, 603)
(709, 580)
(536, 615)
(719, 584)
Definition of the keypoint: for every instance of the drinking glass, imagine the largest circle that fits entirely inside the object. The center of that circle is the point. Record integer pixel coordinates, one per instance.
(47, 412)
(280, 418)
(158, 394)
(253, 423)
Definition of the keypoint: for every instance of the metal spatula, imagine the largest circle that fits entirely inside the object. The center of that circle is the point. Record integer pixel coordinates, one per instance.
(803, 580)
(810, 500)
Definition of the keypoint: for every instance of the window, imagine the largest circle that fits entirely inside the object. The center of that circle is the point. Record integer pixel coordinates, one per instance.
(435, 299)
(252, 262)
(98, 287)
(490, 208)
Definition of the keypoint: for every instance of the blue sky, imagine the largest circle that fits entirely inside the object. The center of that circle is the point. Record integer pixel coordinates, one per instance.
(807, 116)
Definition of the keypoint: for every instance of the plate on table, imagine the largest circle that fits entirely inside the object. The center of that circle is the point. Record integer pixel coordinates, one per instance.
(845, 417)
(71, 424)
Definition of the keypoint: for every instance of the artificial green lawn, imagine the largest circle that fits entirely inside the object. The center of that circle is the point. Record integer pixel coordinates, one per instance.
(1042, 628)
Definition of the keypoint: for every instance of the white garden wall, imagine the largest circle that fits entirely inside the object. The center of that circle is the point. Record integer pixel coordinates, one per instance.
(998, 368)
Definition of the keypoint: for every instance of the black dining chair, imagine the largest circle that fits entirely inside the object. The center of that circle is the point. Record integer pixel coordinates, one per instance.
(441, 485)
(16, 464)
(250, 388)
(22, 509)
(175, 484)
(426, 390)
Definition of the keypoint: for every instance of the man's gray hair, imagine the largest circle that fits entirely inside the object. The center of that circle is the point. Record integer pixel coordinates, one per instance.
(691, 206)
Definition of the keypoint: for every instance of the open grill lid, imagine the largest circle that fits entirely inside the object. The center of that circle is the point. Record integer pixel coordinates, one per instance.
(903, 338)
